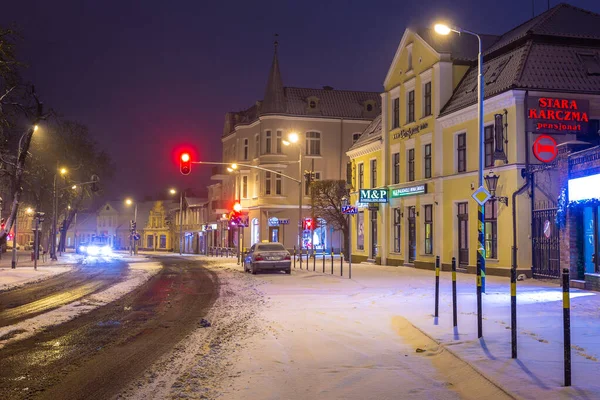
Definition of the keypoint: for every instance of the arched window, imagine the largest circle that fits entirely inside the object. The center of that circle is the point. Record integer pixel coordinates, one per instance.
(255, 232)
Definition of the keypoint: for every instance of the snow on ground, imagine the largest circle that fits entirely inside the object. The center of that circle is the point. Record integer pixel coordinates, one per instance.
(25, 274)
(139, 273)
(313, 335)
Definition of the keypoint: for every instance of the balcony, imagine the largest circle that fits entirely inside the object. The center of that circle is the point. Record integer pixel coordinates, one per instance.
(219, 173)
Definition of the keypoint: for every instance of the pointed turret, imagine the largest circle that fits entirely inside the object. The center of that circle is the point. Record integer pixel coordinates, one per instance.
(274, 99)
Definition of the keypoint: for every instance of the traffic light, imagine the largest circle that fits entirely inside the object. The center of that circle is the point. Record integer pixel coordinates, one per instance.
(235, 217)
(308, 224)
(185, 165)
(237, 207)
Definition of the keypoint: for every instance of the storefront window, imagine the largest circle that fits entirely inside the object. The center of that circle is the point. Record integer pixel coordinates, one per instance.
(360, 231)
(397, 229)
(163, 241)
(428, 209)
(491, 229)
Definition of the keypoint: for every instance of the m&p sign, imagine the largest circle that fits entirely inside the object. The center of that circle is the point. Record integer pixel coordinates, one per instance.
(373, 196)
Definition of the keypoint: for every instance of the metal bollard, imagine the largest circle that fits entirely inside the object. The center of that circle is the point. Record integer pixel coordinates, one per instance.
(332, 261)
(566, 326)
(294, 257)
(314, 261)
(479, 299)
(323, 260)
(454, 313)
(300, 257)
(437, 286)
(350, 267)
(341, 263)
(513, 311)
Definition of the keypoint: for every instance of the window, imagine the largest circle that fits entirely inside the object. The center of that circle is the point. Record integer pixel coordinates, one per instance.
(312, 104)
(317, 176)
(491, 228)
(313, 144)
(355, 137)
(361, 175)
(267, 183)
(411, 165)
(397, 229)
(369, 107)
(428, 209)
(590, 63)
(278, 141)
(409, 58)
(256, 184)
(256, 146)
(461, 152)
(396, 168)
(427, 161)
(489, 145)
(278, 190)
(373, 173)
(396, 116)
(245, 149)
(244, 187)
(360, 230)
(163, 241)
(410, 117)
(268, 142)
(427, 99)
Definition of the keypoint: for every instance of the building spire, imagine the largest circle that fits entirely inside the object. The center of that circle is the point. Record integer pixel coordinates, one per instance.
(274, 99)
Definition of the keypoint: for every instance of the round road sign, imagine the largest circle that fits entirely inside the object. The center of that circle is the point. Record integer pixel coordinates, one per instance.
(544, 148)
(547, 229)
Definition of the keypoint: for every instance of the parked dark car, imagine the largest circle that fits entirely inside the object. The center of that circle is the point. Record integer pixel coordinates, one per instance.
(268, 256)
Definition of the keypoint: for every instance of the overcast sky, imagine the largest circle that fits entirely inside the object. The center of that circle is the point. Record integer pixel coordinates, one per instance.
(148, 76)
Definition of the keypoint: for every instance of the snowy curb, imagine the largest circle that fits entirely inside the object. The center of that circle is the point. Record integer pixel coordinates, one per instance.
(11, 279)
(139, 273)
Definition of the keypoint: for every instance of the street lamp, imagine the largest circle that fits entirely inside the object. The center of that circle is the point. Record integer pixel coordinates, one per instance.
(491, 181)
(293, 138)
(173, 191)
(129, 202)
(443, 29)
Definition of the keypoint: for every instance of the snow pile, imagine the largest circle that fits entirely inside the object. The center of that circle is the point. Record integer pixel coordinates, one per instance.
(14, 278)
(139, 273)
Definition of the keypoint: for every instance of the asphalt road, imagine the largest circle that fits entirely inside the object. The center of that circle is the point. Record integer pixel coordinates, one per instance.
(96, 355)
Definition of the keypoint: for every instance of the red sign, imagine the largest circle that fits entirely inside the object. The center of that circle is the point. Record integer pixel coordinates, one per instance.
(554, 115)
(544, 148)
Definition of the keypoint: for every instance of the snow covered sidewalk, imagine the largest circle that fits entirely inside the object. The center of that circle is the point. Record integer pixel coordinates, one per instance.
(24, 273)
(333, 337)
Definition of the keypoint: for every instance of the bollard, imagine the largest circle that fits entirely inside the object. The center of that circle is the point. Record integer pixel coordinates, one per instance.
(332, 261)
(350, 267)
(437, 286)
(314, 261)
(513, 311)
(300, 257)
(323, 260)
(454, 314)
(294, 256)
(567, 325)
(479, 300)
(341, 264)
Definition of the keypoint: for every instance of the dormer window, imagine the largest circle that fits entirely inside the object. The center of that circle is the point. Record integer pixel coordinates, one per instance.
(369, 107)
(312, 103)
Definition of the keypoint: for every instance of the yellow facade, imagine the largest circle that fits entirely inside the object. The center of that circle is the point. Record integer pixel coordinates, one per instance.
(417, 163)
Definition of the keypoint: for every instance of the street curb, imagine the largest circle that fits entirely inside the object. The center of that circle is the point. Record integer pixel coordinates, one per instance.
(474, 368)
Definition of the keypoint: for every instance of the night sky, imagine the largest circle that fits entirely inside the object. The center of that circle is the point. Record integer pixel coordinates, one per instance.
(150, 76)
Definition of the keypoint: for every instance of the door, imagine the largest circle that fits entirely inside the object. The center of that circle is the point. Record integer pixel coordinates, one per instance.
(463, 234)
(274, 233)
(373, 234)
(412, 234)
(546, 241)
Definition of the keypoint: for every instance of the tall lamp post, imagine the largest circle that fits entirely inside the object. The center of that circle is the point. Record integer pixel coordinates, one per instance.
(293, 138)
(181, 194)
(63, 172)
(132, 246)
(445, 30)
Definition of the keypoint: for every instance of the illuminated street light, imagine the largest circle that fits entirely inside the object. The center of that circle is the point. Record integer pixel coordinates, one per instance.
(63, 171)
(74, 187)
(128, 202)
(229, 169)
(234, 166)
(172, 191)
(35, 128)
(293, 137)
(29, 210)
(442, 29)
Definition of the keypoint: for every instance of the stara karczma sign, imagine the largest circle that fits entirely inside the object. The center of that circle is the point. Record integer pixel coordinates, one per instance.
(556, 115)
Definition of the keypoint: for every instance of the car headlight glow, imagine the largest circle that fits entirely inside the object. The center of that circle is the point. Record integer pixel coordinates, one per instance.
(106, 250)
(82, 249)
(93, 250)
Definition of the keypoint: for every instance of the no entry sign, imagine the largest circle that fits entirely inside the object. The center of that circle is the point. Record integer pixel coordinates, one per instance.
(544, 148)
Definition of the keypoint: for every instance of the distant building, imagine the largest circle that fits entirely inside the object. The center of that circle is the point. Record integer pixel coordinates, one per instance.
(327, 122)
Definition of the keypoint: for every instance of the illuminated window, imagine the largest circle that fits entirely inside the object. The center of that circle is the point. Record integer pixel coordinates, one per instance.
(491, 229)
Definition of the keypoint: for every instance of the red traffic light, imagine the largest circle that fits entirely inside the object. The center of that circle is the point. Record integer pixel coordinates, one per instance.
(308, 224)
(237, 207)
(185, 166)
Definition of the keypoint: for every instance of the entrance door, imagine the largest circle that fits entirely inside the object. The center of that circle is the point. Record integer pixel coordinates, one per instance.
(463, 233)
(412, 234)
(274, 233)
(373, 234)
(545, 241)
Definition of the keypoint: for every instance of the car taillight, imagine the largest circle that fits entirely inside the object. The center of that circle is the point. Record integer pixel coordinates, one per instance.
(258, 257)
(288, 257)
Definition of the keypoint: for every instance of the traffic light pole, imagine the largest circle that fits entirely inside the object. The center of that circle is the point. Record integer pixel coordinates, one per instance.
(180, 221)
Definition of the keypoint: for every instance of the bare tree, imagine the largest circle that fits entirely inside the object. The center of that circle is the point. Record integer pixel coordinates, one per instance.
(328, 196)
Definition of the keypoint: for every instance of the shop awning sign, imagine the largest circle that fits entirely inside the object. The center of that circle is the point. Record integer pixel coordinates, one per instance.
(274, 221)
(544, 148)
(373, 196)
(409, 191)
